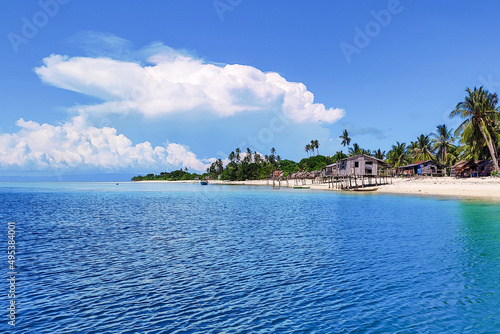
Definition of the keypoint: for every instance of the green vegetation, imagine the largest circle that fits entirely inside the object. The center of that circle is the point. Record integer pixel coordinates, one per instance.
(356, 150)
(442, 143)
(398, 155)
(421, 149)
(479, 135)
(379, 154)
(480, 129)
(253, 165)
(176, 175)
(314, 163)
(248, 166)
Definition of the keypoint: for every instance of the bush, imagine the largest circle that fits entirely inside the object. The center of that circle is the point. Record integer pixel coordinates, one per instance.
(316, 162)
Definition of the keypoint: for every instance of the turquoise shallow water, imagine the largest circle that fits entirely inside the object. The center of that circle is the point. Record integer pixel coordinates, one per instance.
(184, 258)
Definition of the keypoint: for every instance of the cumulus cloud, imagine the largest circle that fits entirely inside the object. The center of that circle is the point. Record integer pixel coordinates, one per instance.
(175, 82)
(79, 145)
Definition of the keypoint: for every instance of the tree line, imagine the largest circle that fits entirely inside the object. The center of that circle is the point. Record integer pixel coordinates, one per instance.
(476, 138)
(248, 165)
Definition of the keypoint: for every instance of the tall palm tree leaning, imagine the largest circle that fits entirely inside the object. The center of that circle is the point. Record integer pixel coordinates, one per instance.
(481, 116)
(345, 138)
(308, 148)
(442, 142)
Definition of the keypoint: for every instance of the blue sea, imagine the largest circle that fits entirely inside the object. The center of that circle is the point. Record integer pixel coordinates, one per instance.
(185, 258)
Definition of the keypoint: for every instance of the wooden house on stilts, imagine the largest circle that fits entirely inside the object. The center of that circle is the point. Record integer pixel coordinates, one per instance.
(357, 171)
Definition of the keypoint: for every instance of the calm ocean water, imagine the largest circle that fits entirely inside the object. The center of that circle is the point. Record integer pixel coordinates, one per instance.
(185, 258)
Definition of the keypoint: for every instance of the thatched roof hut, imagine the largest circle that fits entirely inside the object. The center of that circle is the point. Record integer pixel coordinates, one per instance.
(464, 168)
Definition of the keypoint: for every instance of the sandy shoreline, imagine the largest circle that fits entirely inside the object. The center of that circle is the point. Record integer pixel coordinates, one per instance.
(487, 188)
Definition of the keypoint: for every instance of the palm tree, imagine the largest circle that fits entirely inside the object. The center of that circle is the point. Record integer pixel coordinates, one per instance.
(257, 158)
(345, 138)
(272, 157)
(422, 149)
(481, 116)
(219, 166)
(442, 141)
(232, 156)
(338, 156)
(308, 148)
(238, 155)
(355, 150)
(455, 154)
(248, 157)
(316, 145)
(379, 154)
(397, 156)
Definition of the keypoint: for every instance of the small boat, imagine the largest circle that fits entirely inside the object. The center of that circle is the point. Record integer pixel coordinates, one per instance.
(301, 187)
(360, 189)
(204, 183)
(366, 189)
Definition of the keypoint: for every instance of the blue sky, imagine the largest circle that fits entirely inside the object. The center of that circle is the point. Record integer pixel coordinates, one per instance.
(134, 87)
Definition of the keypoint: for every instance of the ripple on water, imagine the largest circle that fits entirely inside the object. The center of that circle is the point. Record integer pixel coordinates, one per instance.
(172, 258)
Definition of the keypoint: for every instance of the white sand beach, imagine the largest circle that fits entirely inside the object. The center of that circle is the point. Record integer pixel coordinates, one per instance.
(486, 188)
(481, 188)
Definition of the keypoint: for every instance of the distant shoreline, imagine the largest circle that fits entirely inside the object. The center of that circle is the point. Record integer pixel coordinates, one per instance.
(486, 188)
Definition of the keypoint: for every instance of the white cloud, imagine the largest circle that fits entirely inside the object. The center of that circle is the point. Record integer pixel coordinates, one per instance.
(79, 145)
(179, 83)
